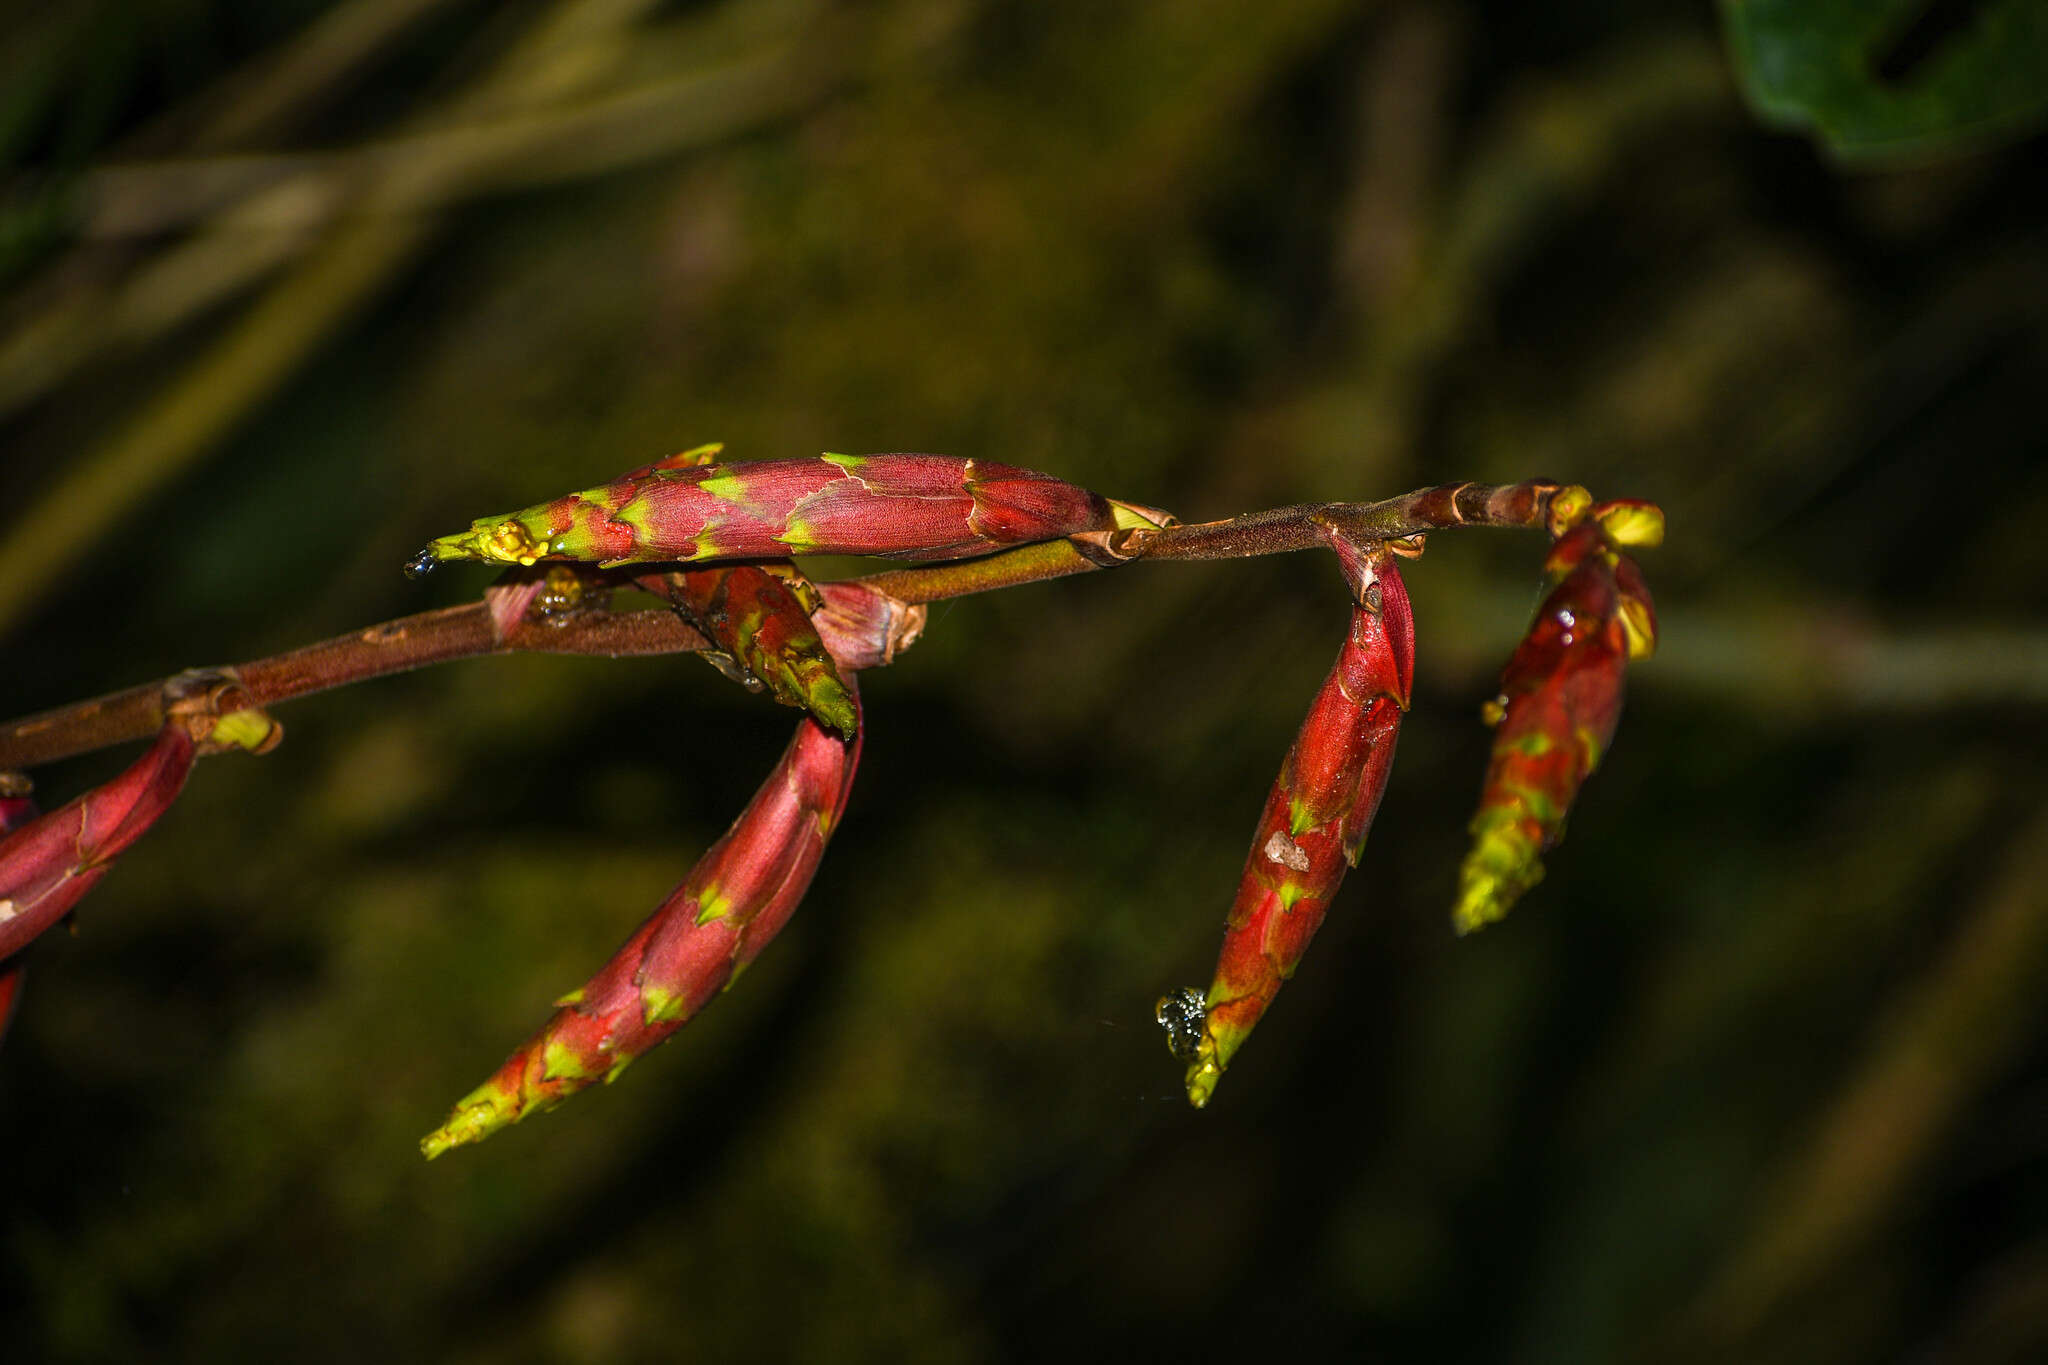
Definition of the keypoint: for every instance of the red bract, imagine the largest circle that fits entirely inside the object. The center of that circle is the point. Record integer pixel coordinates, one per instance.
(919, 507)
(760, 619)
(1312, 828)
(864, 627)
(764, 624)
(48, 864)
(15, 811)
(708, 929)
(1560, 700)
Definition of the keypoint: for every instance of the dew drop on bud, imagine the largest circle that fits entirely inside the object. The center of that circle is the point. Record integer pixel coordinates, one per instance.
(1182, 1013)
(421, 564)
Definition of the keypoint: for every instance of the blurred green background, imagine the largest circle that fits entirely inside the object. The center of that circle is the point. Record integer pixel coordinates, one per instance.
(1759, 1073)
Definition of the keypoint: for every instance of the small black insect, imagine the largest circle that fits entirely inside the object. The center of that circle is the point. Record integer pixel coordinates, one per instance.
(1183, 1014)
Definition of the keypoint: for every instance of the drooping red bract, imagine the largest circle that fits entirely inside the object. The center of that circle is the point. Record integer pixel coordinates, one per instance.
(1316, 817)
(47, 865)
(1560, 701)
(15, 811)
(737, 897)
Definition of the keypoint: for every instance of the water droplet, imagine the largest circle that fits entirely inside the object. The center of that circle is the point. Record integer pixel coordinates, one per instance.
(1495, 711)
(1183, 1014)
(1565, 618)
(422, 564)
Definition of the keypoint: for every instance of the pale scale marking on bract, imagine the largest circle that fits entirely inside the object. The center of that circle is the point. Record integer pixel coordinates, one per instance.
(1286, 852)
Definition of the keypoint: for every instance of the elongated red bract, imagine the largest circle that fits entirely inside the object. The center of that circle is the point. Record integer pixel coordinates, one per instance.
(50, 863)
(1560, 700)
(737, 897)
(917, 507)
(1315, 820)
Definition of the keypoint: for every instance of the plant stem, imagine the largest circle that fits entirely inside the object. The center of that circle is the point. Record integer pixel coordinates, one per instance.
(464, 632)
(398, 646)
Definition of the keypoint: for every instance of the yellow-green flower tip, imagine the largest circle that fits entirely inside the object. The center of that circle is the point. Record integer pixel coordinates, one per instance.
(1487, 890)
(251, 730)
(1479, 901)
(480, 1113)
(1132, 516)
(503, 540)
(1632, 523)
(1640, 625)
(1568, 508)
(1202, 1078)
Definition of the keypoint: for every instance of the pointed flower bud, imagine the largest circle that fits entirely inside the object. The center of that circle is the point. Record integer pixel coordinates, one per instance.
(692, 947)
(1560, 700)
(1313, 826)
(918, 507)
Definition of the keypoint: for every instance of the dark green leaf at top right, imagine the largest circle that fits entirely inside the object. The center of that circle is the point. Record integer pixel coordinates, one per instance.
(1879, 80)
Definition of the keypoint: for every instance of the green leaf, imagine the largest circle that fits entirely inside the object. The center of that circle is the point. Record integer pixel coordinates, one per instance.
(1885, 79)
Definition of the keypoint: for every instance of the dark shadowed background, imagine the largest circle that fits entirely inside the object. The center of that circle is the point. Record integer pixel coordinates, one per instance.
(1759, 1073)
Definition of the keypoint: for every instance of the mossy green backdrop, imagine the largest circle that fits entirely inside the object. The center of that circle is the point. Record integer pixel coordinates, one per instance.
(1759, 1073)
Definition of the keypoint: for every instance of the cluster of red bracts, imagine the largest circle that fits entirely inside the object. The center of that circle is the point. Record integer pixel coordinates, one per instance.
(773, 630)
(1560, 699)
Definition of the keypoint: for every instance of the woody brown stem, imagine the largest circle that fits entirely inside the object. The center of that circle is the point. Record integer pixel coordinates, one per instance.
(465, 632)
(398, 646)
